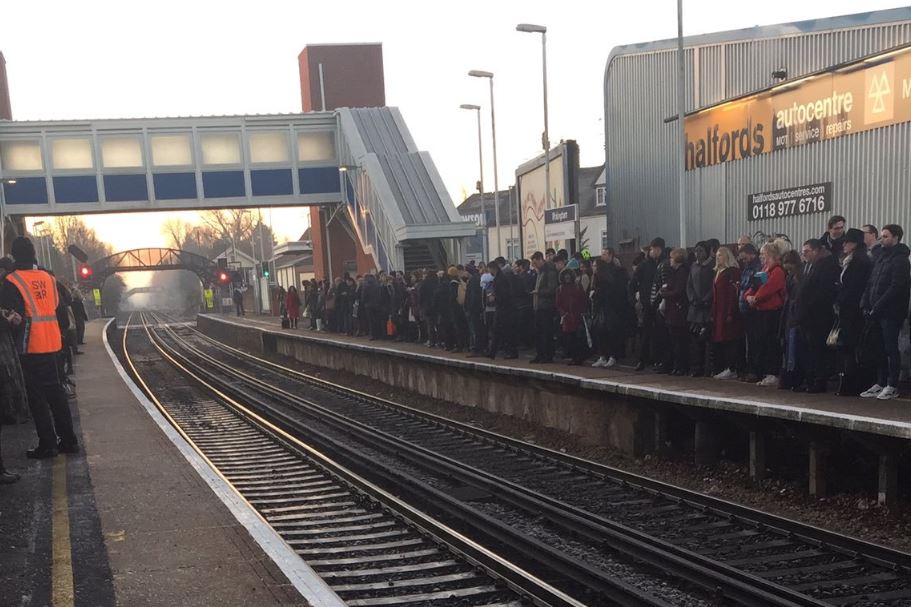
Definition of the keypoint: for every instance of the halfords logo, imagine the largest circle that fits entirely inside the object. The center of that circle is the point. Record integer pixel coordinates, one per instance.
(880, 104)
(733, 144)
(869, 93)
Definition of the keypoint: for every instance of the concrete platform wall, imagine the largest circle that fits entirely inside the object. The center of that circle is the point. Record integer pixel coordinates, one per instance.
(593, 416)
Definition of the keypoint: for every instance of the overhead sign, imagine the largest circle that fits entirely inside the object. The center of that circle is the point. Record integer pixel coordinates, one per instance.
(863, 95)
(560, 223)
(802, 200)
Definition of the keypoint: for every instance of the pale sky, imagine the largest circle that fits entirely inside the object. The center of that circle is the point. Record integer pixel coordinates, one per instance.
(94, 59)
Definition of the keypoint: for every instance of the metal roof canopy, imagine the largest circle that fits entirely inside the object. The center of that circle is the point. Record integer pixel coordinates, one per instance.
(237, 176)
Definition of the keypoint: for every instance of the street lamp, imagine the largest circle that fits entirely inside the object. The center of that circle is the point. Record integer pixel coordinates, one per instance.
(681, 125)
(42, 243)
(529, 28)
(493, 130)
(477, 108)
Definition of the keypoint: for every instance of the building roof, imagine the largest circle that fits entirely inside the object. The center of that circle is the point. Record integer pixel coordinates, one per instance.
(472, 206)
(767, 31)
(304, 261)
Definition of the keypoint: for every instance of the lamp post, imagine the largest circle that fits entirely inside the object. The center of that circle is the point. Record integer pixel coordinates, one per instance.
(493, 130)
(529, 28)
(262, 265)
(484, 248)
(42, 243)
(681, 117)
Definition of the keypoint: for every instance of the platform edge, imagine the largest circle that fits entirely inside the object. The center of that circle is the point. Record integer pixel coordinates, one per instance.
(304, 579)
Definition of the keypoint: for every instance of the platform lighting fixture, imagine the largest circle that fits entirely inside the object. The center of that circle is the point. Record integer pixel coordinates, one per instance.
(530, 28)
(477, 108)
(493, 132)
(11, 182)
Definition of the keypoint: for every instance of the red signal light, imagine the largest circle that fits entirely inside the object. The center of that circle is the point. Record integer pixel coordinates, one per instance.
(85, 272)
(223, 278)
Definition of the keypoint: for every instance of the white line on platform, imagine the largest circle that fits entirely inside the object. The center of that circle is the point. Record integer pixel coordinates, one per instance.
(312, 587)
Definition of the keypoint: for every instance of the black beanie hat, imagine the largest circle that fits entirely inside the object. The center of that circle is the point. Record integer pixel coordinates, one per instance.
(23, 250)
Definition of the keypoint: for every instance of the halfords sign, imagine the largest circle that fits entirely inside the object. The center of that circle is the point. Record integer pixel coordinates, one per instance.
(863, 95)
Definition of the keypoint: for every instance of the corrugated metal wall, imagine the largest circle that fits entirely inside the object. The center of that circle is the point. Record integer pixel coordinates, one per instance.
(870, 171)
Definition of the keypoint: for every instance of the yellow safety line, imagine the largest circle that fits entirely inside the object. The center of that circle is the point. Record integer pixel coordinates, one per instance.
(62, 594)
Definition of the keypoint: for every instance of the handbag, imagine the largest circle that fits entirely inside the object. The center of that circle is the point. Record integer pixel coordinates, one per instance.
(834, 338)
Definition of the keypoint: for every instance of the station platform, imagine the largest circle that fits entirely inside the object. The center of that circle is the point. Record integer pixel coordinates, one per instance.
(889, 418)
(618, 408)
(129, 520)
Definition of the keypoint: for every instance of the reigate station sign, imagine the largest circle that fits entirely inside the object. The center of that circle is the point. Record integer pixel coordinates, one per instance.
(866, 94)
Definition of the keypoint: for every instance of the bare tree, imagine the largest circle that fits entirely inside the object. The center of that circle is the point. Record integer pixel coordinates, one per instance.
(175, 230)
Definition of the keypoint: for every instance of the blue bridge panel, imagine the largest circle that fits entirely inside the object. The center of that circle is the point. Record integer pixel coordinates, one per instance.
(76, 188)
(223, 184)
(319, 180)
(26, 190)
(174, 186)
(272, 182)
(125, 188)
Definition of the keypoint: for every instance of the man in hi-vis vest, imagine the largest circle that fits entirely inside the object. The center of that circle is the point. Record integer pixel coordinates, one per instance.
(32, 293)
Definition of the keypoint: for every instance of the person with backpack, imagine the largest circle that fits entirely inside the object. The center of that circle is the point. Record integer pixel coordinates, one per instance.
(544, 301)
(458, 324)
(501, 298)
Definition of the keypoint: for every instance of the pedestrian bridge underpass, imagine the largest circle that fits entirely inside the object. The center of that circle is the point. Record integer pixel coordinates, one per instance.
(362, 165)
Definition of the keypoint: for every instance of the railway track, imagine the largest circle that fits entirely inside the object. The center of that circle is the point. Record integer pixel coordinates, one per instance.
(749, 556)
(370, 546)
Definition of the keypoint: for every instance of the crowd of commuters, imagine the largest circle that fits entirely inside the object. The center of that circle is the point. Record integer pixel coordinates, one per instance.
(766, 313)
(42, 323)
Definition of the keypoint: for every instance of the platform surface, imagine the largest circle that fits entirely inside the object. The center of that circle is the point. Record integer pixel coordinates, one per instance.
(145, 529)
(889, 418)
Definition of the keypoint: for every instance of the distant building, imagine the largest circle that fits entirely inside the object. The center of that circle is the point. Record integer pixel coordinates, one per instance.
(592, 215)
(293, 261)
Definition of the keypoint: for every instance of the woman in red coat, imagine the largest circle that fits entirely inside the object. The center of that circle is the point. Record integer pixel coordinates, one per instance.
(726, 328)
(766, 300)
(572, 304)
(293, 306)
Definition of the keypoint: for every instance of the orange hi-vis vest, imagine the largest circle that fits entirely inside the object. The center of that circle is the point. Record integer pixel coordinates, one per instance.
(39, 292)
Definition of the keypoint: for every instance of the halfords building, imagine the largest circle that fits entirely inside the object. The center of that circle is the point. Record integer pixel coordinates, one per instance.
(785, 125)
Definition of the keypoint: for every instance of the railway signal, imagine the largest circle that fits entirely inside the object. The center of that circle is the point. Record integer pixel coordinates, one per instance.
(85, 272)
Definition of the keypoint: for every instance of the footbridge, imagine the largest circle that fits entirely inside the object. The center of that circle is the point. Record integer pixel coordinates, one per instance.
(362, 165)
(151, 259)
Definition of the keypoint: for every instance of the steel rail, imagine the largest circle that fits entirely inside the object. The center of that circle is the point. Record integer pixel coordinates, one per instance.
(535, 589)
(848, 545)
(709, 573)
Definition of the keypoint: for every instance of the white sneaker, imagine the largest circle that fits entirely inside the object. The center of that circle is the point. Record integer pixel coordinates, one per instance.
(610, 362)
(888, 393)
(601, 362)
(726, 374)
(768, 380)
(872, 392)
